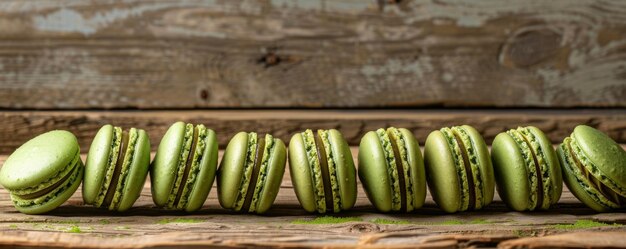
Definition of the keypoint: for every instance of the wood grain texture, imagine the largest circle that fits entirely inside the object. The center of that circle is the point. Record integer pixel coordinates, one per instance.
(145, 226)
(16, 127)
(311, 53)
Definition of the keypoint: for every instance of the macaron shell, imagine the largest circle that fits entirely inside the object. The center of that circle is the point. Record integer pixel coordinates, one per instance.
(54, 150)
(416, 162)
(206, 175)
(96, 164)
(510, 172)
(556, 177)
(274, 177)
(484, 163)
(441, 174)
(230, 171)
(165, 164)
(346, 172)
(606, 154)
(300, 172)
(59, 199)
(572, 184)
(373, 172)
(138, 171)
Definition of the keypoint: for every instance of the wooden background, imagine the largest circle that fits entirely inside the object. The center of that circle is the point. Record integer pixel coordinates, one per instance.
(282, 66)
(74, 54)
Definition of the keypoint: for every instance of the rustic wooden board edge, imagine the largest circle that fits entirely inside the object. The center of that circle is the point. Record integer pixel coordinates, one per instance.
(16, 127)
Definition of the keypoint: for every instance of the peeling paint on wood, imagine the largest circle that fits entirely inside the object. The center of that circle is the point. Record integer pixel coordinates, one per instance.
(341, 53)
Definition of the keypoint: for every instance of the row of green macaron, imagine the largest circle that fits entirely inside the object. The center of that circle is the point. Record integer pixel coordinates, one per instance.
(456, 165)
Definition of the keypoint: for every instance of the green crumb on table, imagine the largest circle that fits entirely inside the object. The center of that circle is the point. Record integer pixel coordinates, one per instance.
(326, 220)
(581, 224)
(122, 228)
(179, 220)
(74, 229)
(13, 226)
(382, 221)
(105, 222)
(480, 221)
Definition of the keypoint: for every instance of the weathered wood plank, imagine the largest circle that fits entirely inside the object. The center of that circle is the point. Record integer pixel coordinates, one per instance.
(311, 53)
(16, 127)
(144, 226)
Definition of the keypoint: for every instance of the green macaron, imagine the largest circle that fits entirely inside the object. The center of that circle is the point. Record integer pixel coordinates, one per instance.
(594, 168)
(391, 170)
(322, 171)
(44, 172)
(251, 172)
(183, 168)
(458, 169)
(527, 171)
(116, 168)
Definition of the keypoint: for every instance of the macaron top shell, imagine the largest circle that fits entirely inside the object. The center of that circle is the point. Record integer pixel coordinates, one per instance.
(230, 172)
(174, 155)
(603, 157)
(97, 162)
(40, 159)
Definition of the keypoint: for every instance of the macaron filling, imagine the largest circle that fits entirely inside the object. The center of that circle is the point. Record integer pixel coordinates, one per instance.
(61, 186)
(329, 168)
(189, 165)
(254, 177)
(583, 169)
(542, 167)
(316, 169)
(248, 170)
(532, 168)
(119, 173)
(48, 185)
(459, 163)
(395, 168)
(111, 177)
(399, 143)
(264, 152)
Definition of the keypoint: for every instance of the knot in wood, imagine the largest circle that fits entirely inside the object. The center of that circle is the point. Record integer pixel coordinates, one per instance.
(363, 228)
(530, 47)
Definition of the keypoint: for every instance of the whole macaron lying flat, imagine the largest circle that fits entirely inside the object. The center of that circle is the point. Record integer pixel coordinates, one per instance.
(251, 171)
(526, 168)
(391, 170)
(322, 171)
(594, 168)
(116, 168)
(183, 169)
(458, 169)
(44, 172)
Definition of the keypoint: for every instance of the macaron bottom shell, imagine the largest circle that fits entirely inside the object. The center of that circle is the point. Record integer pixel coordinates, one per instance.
(55, 197)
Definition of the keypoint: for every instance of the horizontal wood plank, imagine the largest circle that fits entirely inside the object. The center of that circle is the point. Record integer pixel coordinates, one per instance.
(145, 226)
(19, 126)
(311, 53)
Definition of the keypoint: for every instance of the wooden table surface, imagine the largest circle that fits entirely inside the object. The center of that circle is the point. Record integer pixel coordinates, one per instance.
(287, 225)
